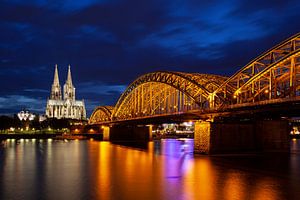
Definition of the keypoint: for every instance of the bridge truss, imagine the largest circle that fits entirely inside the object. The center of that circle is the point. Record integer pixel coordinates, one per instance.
(161, 93)
(101, 114)
(275, 76)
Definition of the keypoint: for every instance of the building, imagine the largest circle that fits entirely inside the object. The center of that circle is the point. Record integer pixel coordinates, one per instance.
(25, 115)
(64, 106)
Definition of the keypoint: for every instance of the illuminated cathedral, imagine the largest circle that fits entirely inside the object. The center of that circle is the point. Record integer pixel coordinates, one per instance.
(64, 106)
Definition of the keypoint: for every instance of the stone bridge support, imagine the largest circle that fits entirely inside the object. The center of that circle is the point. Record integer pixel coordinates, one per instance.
(106, 133)
(248, 136)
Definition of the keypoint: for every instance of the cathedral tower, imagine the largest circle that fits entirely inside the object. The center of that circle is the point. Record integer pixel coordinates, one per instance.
(68, 107)
(56, 90)
(69, 89)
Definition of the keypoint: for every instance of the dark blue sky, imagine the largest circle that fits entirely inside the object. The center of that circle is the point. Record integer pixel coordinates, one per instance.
(109, 43)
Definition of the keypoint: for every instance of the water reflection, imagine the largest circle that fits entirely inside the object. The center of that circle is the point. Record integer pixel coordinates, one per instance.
(167, 169)
(175, 154)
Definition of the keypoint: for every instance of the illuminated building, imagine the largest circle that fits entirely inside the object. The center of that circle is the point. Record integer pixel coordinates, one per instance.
(25, 115)
(64, 106)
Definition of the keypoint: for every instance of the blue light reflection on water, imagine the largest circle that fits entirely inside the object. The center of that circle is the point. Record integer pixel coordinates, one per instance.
(167, 169)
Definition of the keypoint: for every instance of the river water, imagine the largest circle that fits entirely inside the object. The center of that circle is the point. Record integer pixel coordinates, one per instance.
(167, 169)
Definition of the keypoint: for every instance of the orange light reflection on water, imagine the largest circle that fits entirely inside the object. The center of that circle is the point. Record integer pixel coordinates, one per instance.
(121, 172)
(199, 182)
(159, 170)
(103, 170)
(266, 189)
(234, 186)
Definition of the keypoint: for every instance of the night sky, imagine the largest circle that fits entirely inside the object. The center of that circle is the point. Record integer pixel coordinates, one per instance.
(109, 43)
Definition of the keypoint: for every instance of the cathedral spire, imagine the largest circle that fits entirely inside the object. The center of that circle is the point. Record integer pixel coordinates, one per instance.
(69, 90)
(56, 79)
(69, 78)
(56, 90)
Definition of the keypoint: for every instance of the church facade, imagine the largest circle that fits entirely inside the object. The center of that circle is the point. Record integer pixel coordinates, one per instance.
(64, 105)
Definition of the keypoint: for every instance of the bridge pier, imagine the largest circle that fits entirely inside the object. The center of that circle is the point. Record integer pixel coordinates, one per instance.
(202, 134)
(248, 136)
(106, 133)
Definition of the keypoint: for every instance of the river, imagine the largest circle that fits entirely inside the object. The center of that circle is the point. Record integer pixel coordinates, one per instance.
(166, 169)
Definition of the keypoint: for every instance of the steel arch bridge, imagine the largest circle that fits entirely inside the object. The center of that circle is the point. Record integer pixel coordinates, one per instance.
(164, 93)
(101, 114)
(272, 77)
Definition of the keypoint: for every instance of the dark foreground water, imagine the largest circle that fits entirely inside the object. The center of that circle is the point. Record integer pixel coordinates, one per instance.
(49, 169)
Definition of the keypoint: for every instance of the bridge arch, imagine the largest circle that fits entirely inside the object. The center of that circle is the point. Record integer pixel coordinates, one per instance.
(277, 81)
(163, 93)
(101, 114)
(260, 79)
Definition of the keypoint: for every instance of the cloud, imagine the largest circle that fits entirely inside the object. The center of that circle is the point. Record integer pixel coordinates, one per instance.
(86, 31)
(91, 105)
(110, 43)
(35, 90)
(101, 88)
(201, 35)
(66, 5)
(19, 102)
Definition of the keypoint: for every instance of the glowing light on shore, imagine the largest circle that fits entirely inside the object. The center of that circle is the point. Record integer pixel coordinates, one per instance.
(26, 115)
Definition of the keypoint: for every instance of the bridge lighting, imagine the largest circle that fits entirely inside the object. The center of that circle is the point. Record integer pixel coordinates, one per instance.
(234, 96)
(266, 91)
(91, 130)
(162, 108)
(190, 123)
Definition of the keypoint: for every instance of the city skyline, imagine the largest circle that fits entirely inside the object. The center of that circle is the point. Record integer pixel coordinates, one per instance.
(110, 43)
